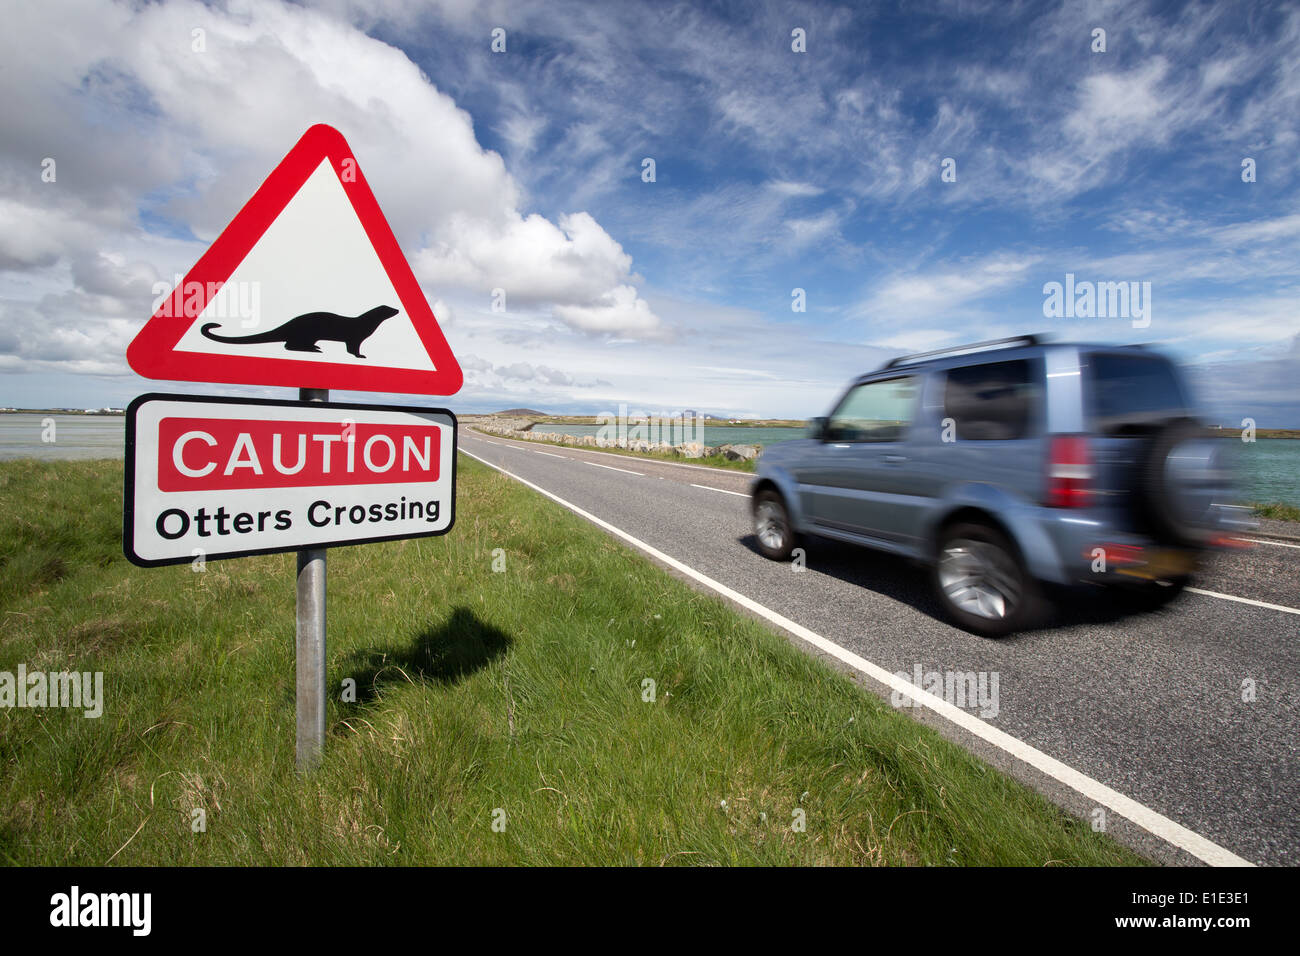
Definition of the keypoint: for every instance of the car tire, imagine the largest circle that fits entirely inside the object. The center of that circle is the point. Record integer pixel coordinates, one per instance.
(773, 529)
(982, 583)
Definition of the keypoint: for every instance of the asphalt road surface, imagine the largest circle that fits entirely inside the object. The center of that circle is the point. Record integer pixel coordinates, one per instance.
(1149, 705)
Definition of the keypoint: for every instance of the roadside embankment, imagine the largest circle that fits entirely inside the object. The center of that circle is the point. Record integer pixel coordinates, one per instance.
(523, 690)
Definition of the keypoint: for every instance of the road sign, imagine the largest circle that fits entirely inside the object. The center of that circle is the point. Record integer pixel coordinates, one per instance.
(221, 478)
(306, 288)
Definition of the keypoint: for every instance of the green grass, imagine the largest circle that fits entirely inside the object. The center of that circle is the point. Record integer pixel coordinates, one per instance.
(1261, 433)
(711, 461)
(1279, 512)
(519, 690)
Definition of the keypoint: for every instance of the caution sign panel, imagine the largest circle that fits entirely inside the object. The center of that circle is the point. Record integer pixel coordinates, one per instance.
(221, 478)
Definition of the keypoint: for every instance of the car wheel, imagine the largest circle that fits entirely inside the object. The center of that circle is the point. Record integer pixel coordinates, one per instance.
(981, 582)
(772, 527)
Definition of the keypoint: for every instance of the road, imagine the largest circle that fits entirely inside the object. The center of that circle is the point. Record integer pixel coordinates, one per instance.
(1148, 705)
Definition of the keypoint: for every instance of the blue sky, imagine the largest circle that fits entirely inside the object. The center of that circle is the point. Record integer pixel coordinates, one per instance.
(775, 170)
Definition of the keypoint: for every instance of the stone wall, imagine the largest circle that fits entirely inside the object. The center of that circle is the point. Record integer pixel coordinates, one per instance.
(514, 428)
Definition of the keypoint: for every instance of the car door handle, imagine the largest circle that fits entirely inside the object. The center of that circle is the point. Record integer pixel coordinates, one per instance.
(895, 459)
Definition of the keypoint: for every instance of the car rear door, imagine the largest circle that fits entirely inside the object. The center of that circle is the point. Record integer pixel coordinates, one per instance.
(993, 413)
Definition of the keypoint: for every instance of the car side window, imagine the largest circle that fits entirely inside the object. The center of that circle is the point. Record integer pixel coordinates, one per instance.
(1132, 390)
(874, 411)
(992, 402)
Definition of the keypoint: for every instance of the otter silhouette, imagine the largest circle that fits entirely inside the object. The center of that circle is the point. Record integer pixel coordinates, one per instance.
(303, 332)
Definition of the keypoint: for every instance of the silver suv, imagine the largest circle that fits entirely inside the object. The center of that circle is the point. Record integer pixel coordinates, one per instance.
(1007, 464)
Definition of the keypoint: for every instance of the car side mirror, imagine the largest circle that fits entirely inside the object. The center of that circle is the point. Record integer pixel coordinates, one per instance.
(817, 427)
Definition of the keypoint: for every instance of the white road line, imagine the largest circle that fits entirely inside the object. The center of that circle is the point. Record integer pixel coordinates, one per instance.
(1148, 819)
(1276, 544)
(549, 455)
(1242, 600)
(738, 494)
(611, 468)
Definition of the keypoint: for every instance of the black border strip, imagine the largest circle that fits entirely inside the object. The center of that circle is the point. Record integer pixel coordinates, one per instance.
(128, 491)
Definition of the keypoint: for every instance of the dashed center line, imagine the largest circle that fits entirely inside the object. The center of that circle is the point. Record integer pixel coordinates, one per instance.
(738, 494)
(1276, 544)
(1241, 600)
(549, 455)
(612, 468)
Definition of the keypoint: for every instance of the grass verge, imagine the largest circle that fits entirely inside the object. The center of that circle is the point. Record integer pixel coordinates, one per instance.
(522, 691)
(1276, 511)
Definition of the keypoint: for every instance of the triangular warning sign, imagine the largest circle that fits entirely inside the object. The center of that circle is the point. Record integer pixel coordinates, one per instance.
(306, 288)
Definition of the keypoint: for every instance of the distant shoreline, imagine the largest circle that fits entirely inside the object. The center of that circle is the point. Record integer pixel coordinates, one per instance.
(640, 419)
(1275, 433)
(1234, 432)
(1223, 432)
(98, 413)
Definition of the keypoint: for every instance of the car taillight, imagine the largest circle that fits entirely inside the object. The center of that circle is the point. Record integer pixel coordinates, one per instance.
(1069, 472)
(1118, 555)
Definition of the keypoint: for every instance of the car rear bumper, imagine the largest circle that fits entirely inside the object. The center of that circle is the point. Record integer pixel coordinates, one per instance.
(1092, 549)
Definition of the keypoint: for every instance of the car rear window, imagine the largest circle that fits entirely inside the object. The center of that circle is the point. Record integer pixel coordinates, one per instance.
(1133, 390)
(992, 402)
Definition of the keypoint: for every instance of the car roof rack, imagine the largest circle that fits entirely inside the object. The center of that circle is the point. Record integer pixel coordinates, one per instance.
(959, 349)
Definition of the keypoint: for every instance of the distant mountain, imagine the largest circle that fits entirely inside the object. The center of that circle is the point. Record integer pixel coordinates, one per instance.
(521, 411)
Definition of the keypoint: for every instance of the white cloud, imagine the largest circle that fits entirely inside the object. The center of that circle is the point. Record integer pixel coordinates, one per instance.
(812, 228)
(469, 362)
(525, 372)
(793, 189)
(577, 266)
(928, 295)
(444, 313)
(151, 136)
(621, 311)
(917, 340)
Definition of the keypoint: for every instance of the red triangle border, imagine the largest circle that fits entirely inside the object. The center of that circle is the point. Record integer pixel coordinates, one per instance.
(153, 352)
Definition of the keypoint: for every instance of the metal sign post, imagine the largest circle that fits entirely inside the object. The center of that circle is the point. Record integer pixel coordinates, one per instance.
(310, 643)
